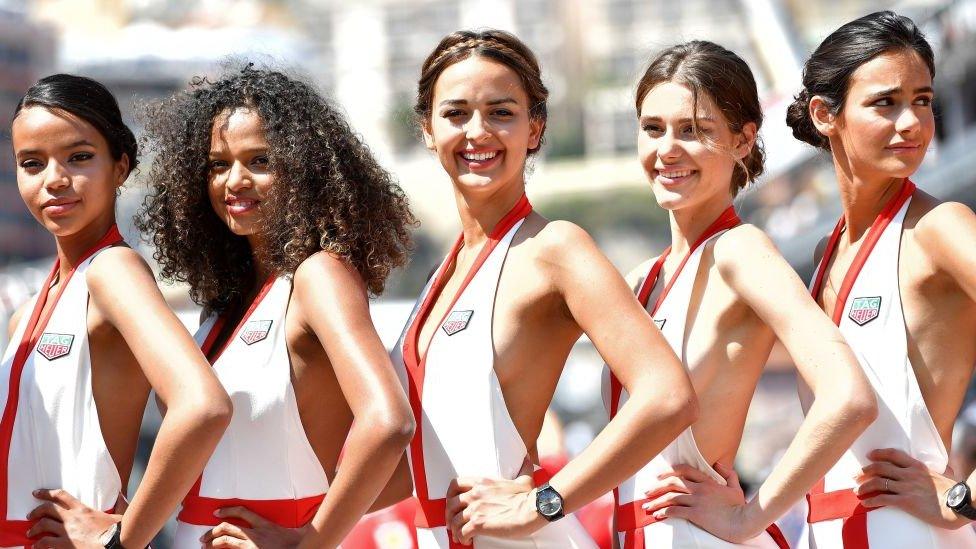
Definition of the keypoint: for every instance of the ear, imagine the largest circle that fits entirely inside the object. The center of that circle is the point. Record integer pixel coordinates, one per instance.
(823, 119)
(121, 170)
(536, 127)
(745, 140)
(428, 136)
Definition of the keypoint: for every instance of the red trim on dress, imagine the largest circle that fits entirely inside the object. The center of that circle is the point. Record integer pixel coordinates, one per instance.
(9, 536)
(430, 512)
(845, 504)
(199, 510)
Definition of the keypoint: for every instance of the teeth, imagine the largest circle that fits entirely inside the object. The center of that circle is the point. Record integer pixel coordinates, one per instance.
(675, 175)
(479, 156)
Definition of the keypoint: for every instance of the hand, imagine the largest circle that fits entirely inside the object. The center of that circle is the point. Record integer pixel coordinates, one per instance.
(896, 479)
(63, 521)
(690, 494)
(262, 534)
(491, 507)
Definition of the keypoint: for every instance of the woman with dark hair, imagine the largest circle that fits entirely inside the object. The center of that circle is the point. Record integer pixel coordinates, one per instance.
(283, 224)
(721, 283)
(485, 346)
(82, 356)
(898, 275)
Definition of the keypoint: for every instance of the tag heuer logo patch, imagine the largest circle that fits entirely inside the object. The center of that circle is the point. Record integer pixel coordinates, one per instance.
(457, 321)
(52, 346)
(864, 309)
(255, 330)
(660, 323)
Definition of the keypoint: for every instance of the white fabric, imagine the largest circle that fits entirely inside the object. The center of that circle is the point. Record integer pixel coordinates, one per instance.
(57, 440)
(264, 453)
(676, 533)
(903, 422)
(467, 430)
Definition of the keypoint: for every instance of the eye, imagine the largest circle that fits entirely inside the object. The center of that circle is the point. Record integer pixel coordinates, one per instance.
(688, 130)
(260, 160)
(652, 128)
(217, 165)
(924, 101)
(81, 157)
(503, 113)
(453, 113)
(31, 164)
(883, 102)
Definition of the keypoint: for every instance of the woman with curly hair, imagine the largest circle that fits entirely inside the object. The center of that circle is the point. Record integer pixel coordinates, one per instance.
(492, 329)
(267, 204)
(82, 357)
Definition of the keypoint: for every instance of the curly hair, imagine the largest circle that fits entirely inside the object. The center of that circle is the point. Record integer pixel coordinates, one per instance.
(329, 193)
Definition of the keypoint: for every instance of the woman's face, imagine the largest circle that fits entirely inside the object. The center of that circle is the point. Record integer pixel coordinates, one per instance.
(886, 123)
(480, 126)
(239, 178)
(683, 170)
(65, 170)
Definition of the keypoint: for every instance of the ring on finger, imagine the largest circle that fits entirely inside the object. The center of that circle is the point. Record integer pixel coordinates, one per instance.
(886, 485)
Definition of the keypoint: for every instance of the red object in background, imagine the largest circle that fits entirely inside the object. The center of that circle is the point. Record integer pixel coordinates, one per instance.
(597, 519)
(390, 528)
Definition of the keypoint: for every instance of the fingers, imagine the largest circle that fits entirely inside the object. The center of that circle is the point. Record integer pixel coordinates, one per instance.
(686, 472)
(227, 542)
(224, 529)
(882, 500)
(245, 514)
(884, 469)
(668, 500)
(52, 542)
(879, 485)
(675, 511)
(728, 473)
(47, 509)
(57, 495)
(462, 484)
(47, 526)
(895, 456)
(672, 484)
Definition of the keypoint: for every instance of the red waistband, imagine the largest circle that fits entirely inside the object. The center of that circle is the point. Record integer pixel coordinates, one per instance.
(839, 504)
(632, 518)
(13, 533)
(289, 513)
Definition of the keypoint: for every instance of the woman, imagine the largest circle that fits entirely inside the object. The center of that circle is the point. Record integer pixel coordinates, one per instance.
(293, 225)
(86, 351)
(721, 295)
(898, 275)
(484, 347)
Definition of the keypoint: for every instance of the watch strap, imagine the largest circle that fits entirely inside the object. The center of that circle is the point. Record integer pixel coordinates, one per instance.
(965, 508)
(115, 541)
(544, 491)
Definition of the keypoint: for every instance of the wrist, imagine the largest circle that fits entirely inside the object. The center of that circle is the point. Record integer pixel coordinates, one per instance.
(752, 521)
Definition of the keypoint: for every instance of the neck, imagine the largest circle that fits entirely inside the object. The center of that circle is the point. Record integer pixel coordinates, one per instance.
(481, 212)
(863, 198)
(689, 224)
(72, 248)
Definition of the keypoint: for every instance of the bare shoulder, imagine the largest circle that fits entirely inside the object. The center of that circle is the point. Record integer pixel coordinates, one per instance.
(327, 270)
(562, 243)
(117, 268)
(934, 220)
(743, 246)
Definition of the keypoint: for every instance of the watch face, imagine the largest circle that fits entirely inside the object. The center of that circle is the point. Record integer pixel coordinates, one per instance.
(549, 503)
(956, 495)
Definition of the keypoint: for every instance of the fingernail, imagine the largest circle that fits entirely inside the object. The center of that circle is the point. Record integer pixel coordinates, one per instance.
(646, 507)
(36, 493)
(219, 513)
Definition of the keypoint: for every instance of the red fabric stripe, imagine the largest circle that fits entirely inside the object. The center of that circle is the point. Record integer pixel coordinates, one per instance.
(415, 364)
(843, 503)
(34, 329)
(13, 533)
(289, 513)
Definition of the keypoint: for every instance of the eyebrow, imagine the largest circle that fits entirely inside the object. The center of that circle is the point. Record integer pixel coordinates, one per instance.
(896, 89)
(78, 143)
(682, 121)
(459, 102)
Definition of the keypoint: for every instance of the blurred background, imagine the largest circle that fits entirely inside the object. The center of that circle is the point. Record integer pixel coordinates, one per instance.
(366, 56)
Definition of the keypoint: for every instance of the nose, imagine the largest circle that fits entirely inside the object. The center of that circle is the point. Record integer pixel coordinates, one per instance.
(238, 177)
(907, 122)
(476, 127)
(55, 176)
(667, 145)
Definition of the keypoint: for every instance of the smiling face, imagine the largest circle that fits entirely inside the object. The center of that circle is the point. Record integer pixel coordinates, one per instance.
(480, 126)
(886, 123)
(683, 170)
(239, 178)
(65, 170)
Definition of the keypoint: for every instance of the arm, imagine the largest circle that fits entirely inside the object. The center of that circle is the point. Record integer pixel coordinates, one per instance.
(662, 402)
(14, 321)
(399, 488)
(123, 289)
(335, 297)
(843, 402)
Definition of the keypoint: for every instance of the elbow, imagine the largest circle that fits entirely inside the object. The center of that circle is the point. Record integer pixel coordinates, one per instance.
(210, 413)
(393, 430)
(677, 408)
(862, 408)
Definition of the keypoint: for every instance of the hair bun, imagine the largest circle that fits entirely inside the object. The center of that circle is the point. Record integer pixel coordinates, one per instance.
(798, 119)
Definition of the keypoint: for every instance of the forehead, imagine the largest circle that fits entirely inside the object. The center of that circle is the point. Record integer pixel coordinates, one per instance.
(898, 69)
(478, 79)
(240, 126)
(674, 100)
(40, 127)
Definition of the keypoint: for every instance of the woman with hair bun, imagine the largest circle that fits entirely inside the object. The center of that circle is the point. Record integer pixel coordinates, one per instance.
(722, 294)
(84, 353)
(898, 276)
(293, 225)
(485, 346)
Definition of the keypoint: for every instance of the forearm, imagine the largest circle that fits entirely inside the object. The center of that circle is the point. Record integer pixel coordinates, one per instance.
(830, 427)
(399, 488)
(372, 453)
(185, 441)
(640, 430)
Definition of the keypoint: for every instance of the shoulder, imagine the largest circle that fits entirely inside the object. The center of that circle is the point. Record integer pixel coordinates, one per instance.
(562, 242)
(324, 270)
(743, 246)
(116, 268)
(935, 221)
